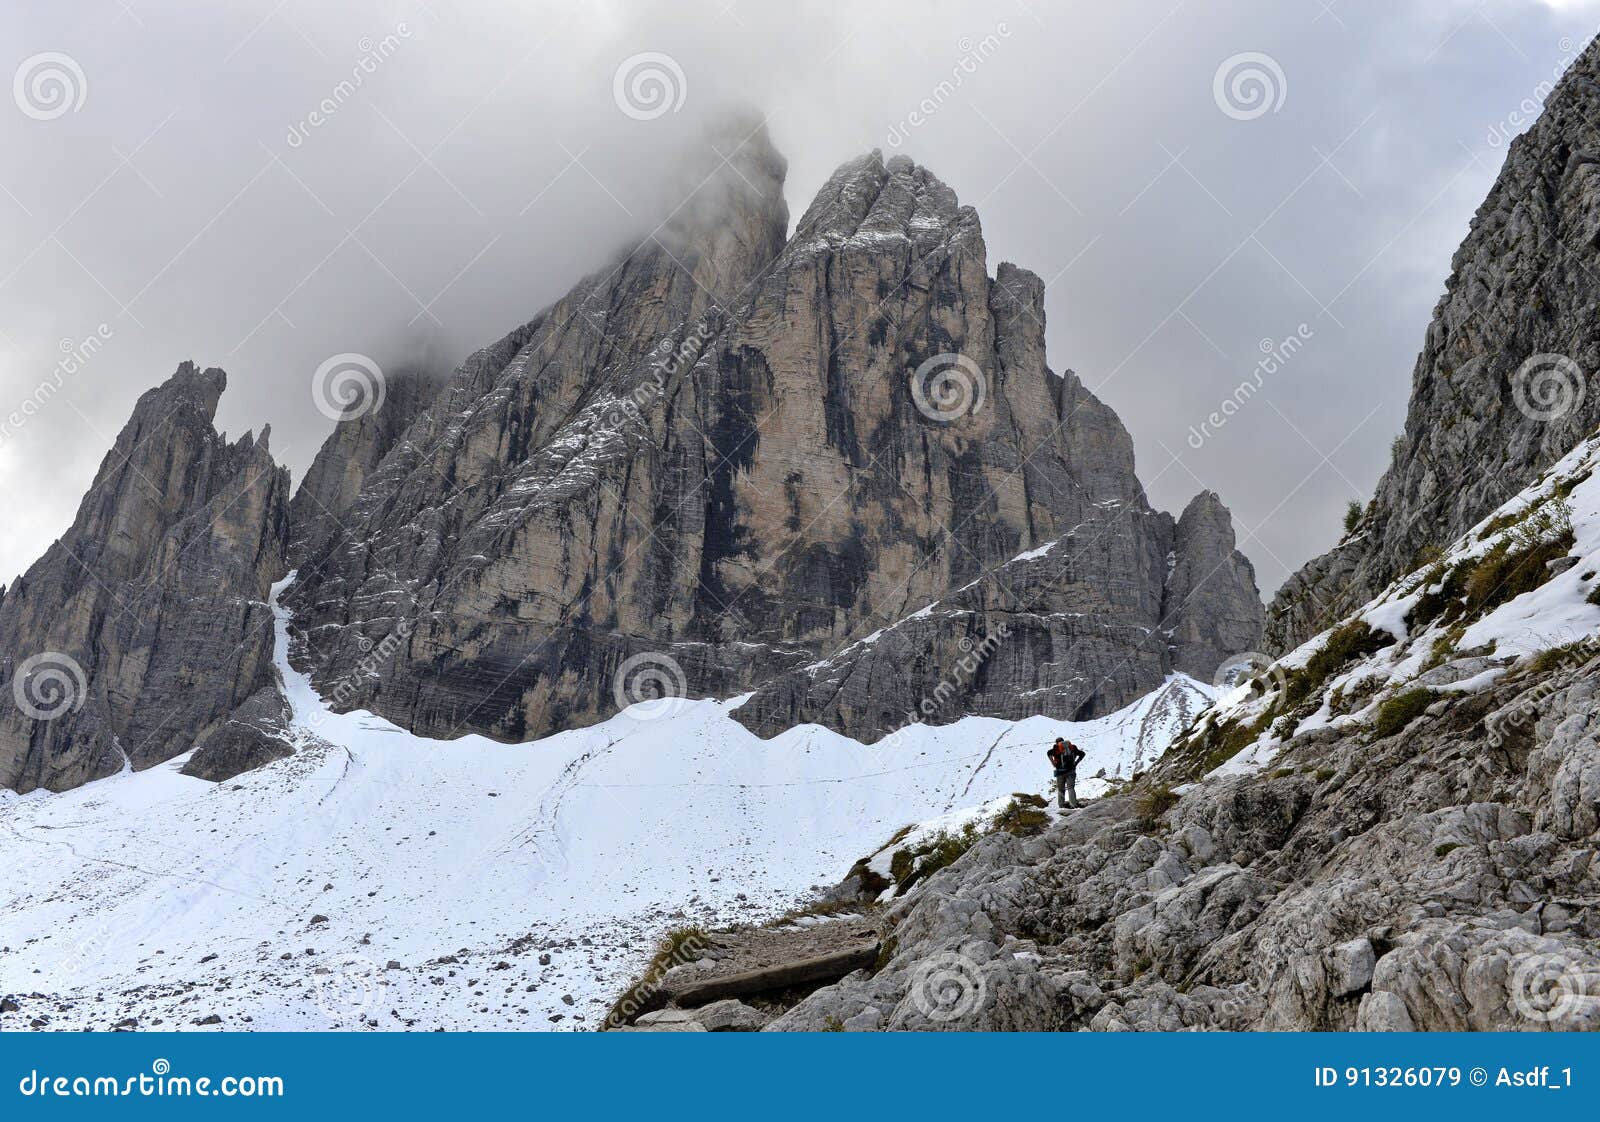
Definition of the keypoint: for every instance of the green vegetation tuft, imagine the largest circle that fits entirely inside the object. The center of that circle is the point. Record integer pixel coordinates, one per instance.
(1222, 742)
(1352, 516)
(886, 952)
(1024, 816)
(908, 866)
(1401, 709)
(1559, 658)
(1153, 803)
(1515, 566)
(1352, 641)
(678, 946)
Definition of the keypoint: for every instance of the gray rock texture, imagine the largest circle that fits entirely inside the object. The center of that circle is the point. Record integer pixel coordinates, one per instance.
(713, 453)
(1419, 882)
(254, 734)
(358, 444)
(1075, 630)
(149, 612)
(1487, 412)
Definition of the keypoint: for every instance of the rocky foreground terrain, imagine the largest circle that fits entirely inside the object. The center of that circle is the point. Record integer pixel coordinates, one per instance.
(1392, 827)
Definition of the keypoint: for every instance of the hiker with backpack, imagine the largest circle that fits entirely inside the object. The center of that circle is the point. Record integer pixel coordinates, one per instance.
(1065, 757)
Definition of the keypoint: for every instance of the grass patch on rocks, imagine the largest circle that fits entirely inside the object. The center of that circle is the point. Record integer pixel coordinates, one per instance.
(1401, 709)
(1024, 816)
(677, 947)
(909, 865)
(1153, 803)
(1515, 566)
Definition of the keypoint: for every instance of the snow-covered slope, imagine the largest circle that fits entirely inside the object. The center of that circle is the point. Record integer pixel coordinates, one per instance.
(385, 880)
(1456, 624)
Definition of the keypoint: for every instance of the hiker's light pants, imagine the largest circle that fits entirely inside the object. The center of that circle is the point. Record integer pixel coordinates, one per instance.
(1067, 788)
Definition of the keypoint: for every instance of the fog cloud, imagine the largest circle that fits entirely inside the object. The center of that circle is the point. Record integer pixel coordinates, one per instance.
(262, 186)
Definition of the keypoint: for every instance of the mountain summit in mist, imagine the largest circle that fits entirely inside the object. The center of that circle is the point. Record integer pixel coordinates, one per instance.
(825, 467)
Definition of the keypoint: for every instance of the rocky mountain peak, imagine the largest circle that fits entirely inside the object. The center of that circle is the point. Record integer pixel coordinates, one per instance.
(739, 487)
(728, 455)
(871, 203)
(145, 624)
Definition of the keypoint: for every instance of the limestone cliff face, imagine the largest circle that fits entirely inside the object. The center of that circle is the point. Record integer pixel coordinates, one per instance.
(717, 456)
(143, 627)
(1505, 382)
(359, 443)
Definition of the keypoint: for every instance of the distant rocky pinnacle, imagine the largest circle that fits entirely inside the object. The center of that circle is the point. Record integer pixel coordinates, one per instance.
(1505, 383)
(832, 468)
(143, 627)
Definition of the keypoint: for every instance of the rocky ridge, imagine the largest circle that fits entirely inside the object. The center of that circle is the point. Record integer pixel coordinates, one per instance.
(146, 624)
(828, 467)
(1505, 382)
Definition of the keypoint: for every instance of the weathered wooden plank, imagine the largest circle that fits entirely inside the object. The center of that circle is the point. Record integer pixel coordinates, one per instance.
(822, 968)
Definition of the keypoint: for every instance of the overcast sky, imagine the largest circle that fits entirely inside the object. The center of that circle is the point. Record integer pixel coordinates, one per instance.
(1195, 181)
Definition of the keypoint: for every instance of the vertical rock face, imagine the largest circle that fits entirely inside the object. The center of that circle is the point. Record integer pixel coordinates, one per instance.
(732, 454)
(359, 443)
(1210, 606)
(143, 627)
(1505, 383)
